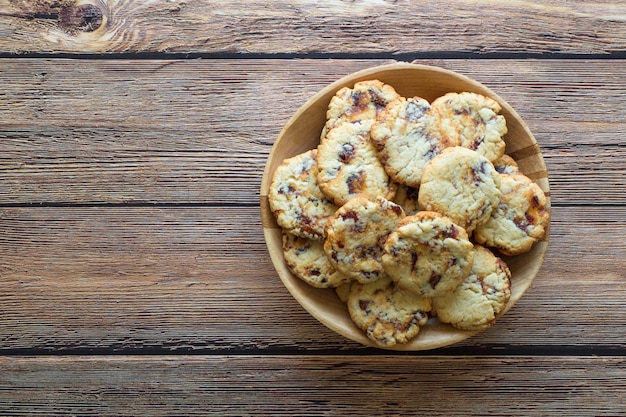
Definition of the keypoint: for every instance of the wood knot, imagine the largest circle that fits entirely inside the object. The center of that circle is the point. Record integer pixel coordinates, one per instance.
(84, 18)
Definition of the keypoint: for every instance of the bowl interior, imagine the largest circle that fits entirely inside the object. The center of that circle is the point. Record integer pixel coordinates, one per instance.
(302, 133)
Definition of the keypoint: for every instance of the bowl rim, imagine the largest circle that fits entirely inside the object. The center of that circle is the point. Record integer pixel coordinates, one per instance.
(311, 301)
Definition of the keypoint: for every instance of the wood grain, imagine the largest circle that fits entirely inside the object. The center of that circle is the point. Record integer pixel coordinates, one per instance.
(313, 385)
(305, 26)
(200, 279)
(199, 132)
(130, 219)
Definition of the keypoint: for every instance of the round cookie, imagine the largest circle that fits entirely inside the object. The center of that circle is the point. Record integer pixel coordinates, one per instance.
(407, 136)
(428, 254)
(474, 120)
(481, 297)
(461, 184)
(506, 165)
(364, 101)
(298, 204)
(356, 235)
(387, 313)
(348, 165)
(519, 220)
(306, 259)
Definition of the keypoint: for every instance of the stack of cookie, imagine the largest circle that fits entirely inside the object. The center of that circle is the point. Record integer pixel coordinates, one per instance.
(401, 207)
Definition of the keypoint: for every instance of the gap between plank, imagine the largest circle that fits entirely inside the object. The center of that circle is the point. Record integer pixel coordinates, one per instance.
(403, 57)
(481, 351)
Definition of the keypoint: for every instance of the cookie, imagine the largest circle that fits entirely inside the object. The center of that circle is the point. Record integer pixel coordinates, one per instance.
(519, 220)
(481, 297)
(506, 165)
(428, 254)
(306, 259)
(406, 197)
(387, 313)
(474, 120)
(461, 184)
(349, 166)
(356, 235)
(407, 136)
(362, 102)
(298, 204)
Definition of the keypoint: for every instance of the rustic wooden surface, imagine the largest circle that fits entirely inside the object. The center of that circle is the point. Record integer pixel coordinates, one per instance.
(314, 385)
(306, 26)
(135, 279)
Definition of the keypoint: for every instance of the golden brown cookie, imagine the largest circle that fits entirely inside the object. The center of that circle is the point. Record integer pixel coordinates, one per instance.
(474, 120)
(356, 235)
(306, 259)
(361, 102)
(387, 313)
(519, 220)
(481, 297)
(461, 184)
(408, 135)
(428, 254)
(294, 197)
(349, 166)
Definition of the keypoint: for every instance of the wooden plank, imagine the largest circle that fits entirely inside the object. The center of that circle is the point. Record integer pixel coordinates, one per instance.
(305, 26)
(313, 385)
(200, 279)
(199, 132)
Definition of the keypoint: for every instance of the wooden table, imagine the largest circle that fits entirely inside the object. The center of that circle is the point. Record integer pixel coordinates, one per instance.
(134, 275)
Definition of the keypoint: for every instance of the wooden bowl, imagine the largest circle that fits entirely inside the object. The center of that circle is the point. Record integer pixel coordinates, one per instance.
(302, 132)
